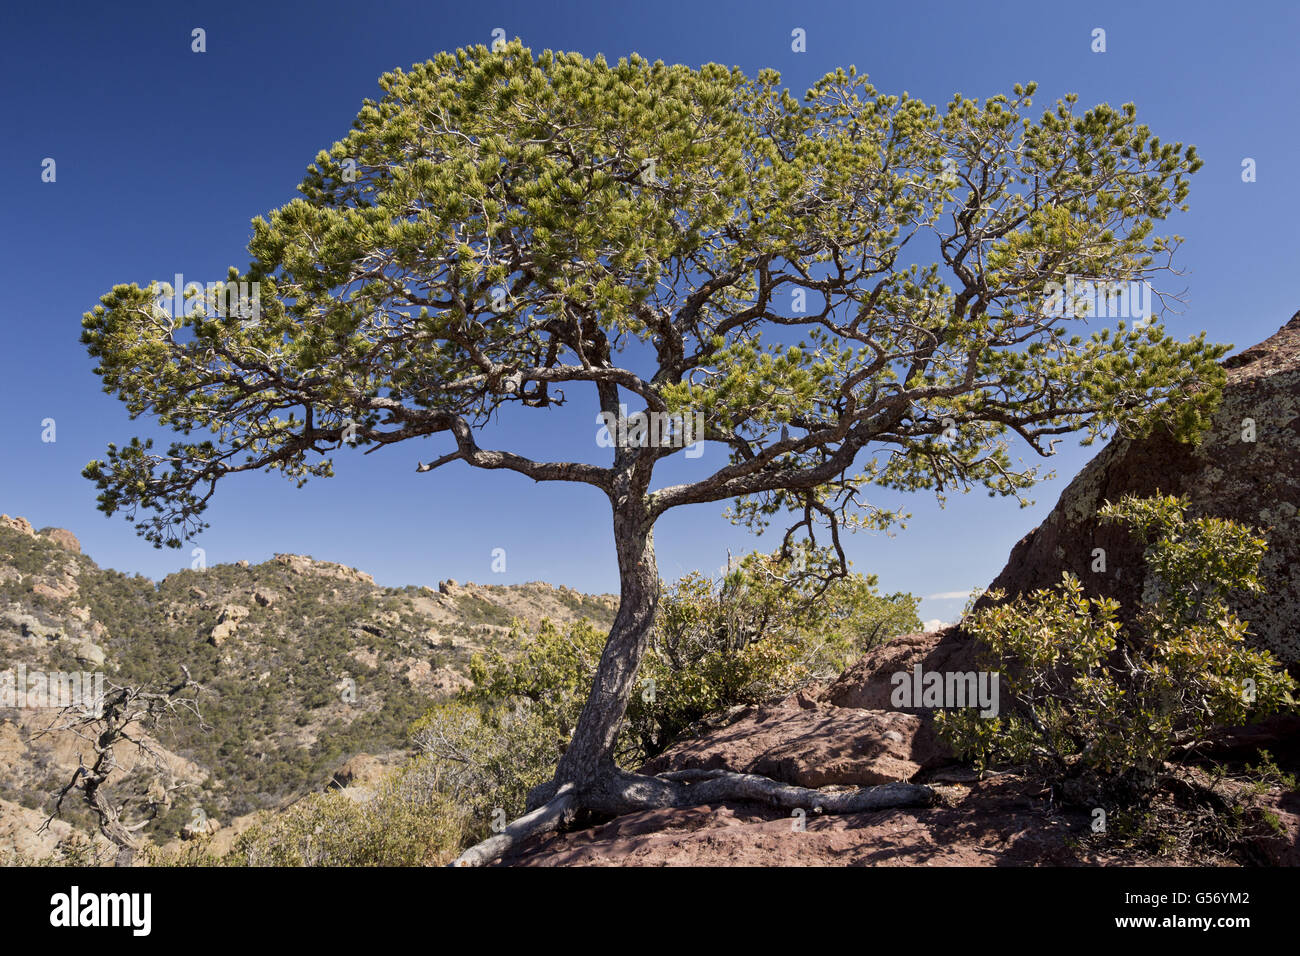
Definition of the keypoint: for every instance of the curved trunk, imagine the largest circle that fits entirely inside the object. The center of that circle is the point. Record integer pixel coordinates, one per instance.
(591, 752)
(587, 778)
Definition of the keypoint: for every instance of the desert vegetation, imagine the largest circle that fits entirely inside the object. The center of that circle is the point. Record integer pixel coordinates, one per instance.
(1103, 707)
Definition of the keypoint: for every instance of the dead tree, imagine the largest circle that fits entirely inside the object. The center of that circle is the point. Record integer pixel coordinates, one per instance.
(124, 716)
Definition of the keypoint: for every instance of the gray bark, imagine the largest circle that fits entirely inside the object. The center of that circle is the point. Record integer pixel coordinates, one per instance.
(620, 792)
(589, 757)
(587, 777)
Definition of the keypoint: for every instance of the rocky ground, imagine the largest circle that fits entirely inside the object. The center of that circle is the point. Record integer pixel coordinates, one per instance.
(847, 735)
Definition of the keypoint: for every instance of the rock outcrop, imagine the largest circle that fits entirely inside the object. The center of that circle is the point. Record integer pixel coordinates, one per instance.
(58, 536)
(63, 538)
(812, 743)
(227, 623)
(21, 525)
(304, 564)
(1247, 468)
(869, 681)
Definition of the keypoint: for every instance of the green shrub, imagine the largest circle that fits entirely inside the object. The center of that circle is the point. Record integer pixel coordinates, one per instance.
(77, 849)
(763, 630)
(1087, 693)
(485, 759)
(768, 627)
(403, 824)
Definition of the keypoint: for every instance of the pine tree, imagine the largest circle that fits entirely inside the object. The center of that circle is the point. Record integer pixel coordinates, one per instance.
(503, 229)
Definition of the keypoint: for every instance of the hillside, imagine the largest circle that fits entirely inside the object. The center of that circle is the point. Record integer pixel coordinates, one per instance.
(304, 664)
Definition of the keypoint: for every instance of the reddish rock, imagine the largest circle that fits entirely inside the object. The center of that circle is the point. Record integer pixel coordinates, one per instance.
(1281, 848)
(869, 683)
(810, 743)
(1002, 821)
(1257, 482)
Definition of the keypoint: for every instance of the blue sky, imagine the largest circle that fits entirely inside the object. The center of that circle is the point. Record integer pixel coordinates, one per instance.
(164, 156)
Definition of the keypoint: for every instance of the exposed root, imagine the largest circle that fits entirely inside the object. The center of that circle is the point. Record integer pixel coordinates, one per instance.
(544, 819)
(621, 792)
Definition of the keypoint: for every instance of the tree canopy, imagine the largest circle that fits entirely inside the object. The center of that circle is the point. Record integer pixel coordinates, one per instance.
(857, 289)
(501, 227)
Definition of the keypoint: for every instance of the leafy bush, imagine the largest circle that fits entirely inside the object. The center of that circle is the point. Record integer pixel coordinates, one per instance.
(484, 759)
(768, 627)
(1089, 694)
(403, 824)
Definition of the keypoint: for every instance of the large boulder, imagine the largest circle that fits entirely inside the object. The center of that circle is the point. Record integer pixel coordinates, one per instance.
(811, 743)
(870, 681)
(227, 623)
(1246, 468)
(62, 538)
(362, 770)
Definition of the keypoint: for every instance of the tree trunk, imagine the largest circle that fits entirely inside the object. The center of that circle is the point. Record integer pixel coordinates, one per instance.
(587, 778)
(590, 756)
